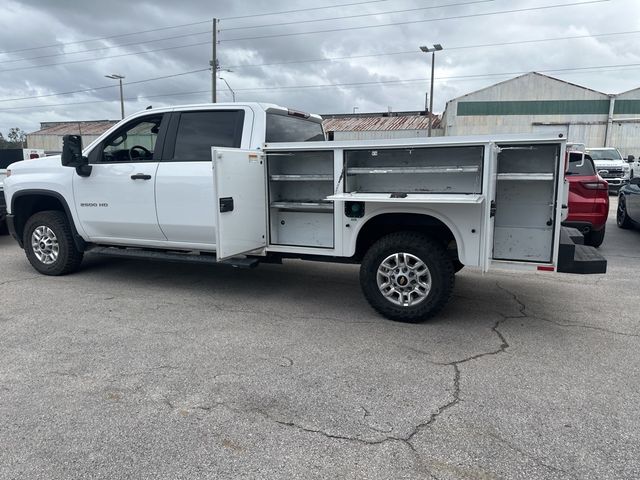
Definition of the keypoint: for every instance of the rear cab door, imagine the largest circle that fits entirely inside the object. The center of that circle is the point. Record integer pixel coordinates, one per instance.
(185, 196)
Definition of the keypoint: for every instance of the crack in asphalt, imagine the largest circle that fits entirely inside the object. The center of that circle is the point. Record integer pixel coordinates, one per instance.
(6, 282)
(531, 457)
(560, 324)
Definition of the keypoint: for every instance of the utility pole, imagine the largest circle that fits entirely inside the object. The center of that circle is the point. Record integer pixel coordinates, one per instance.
(214, 60)
(115, 76)
(432, 50)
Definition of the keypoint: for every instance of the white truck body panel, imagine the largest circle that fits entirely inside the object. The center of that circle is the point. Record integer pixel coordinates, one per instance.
(240, 199)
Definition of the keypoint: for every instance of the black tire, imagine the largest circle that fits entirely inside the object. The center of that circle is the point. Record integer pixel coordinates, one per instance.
(622, 219)
(68, 257)
(595, 237)
(431, 253)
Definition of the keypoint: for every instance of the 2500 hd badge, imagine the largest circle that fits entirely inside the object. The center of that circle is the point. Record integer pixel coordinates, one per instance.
(94, 204)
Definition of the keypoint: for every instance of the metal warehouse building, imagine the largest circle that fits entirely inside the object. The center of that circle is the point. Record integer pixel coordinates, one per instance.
(535, 103)
(371, 126)
(49, 137)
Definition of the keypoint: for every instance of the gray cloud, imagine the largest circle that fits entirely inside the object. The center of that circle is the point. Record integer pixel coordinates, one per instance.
(33, 23)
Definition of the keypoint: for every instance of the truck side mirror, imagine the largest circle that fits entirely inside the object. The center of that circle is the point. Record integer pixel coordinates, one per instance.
(630, 158)
(72, 155)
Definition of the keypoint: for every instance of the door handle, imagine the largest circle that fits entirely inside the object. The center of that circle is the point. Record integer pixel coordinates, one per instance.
(140, 176)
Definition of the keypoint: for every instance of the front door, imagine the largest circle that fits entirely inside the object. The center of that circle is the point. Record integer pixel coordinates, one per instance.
(240, 196)
(117, 201)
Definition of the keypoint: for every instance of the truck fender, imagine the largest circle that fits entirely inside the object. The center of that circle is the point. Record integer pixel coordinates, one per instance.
(19, 223)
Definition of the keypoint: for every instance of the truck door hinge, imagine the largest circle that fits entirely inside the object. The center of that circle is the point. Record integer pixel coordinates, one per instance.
(492, 209)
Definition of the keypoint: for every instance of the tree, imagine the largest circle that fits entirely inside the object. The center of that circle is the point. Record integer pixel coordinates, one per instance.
(16, 138)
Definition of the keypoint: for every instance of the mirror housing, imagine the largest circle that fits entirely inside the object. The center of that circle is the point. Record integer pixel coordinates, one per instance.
(72, 155)
(630, 159)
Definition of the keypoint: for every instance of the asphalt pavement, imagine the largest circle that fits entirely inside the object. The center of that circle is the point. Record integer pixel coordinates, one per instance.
(131, 369)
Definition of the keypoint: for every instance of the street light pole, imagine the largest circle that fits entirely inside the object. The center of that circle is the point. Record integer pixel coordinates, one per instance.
(115, 76)
(437, 47)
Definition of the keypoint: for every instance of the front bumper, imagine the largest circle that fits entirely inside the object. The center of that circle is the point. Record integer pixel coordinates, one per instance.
(616, 183)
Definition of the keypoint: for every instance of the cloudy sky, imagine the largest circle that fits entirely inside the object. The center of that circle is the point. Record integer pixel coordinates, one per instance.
(362, 54)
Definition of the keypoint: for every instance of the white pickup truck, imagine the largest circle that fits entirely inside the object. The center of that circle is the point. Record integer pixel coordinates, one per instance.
(246, 183)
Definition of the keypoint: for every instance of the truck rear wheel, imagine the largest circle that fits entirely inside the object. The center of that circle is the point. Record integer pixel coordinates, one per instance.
(595, 237)
(407, 277)
(49, 245)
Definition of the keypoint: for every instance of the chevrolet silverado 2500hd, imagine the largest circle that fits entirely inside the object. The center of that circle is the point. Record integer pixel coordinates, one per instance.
(246, 183)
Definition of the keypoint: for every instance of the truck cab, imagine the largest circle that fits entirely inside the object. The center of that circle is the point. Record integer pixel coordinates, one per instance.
(611, 166)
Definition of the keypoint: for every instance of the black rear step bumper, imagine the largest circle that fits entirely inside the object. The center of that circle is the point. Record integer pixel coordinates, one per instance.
(574, 257)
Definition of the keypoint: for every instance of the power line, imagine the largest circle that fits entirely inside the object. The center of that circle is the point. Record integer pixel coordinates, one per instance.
(107, 86)
(104, 48)
(31, 67)
(183, 25)
(456, 17)
(105, 38)
(345, 17)
(417, 52)
(302, 10)
(600, 68)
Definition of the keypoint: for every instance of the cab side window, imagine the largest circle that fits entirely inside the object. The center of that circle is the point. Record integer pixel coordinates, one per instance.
(134, 142)
(197, 132)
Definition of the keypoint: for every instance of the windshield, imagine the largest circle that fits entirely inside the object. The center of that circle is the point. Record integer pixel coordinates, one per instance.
(605, 154)
(287, 128)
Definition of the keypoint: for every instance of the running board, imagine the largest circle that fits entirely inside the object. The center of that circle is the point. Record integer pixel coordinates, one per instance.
(577, 258)
(187, 257)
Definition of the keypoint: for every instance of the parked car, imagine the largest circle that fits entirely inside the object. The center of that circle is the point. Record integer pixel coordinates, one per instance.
(588, 199)
(611, 166)
(628, 214)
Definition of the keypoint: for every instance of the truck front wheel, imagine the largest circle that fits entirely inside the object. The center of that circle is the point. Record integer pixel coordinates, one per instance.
(407, 277)
(49, 245)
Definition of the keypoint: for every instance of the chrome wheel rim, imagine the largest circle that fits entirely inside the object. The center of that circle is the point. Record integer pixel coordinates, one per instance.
(404, 279)
(45, 245)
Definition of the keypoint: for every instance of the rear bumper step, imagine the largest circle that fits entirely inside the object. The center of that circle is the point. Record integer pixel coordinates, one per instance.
(574, 257)
(139, 254)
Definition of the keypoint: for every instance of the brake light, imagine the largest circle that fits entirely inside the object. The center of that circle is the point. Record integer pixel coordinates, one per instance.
(297, 113)
(33, 155)
(566, 162)
(599, 185)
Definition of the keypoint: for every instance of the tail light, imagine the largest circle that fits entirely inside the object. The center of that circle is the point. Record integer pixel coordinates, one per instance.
(33, 155)
(597, 185)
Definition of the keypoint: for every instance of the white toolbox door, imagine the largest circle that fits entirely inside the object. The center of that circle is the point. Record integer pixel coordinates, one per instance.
(490, 171)
(240, 193)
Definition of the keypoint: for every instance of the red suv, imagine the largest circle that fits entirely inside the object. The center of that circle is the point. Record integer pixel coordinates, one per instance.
(588, 199)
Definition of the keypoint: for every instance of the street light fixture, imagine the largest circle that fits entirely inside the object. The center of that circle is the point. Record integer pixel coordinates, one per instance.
(115, 76)
(233, 94)
(432, 50)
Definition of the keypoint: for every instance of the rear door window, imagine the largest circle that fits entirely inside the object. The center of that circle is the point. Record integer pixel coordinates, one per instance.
(197, 132)
(577, 167)
(288, 128)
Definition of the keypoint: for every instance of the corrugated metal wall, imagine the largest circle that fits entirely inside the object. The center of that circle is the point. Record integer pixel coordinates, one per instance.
(535, 103)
